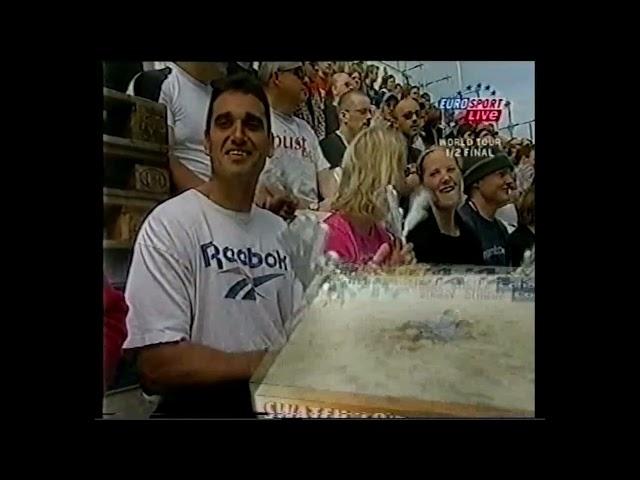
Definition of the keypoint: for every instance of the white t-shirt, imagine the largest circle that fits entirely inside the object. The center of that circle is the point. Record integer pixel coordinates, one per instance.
(187, 101)
(297, 157)
(419, 143)
(212, 276)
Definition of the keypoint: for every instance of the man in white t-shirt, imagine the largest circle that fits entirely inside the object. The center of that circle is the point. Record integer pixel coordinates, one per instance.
(185, 88)
(211, 287)
(297, 167)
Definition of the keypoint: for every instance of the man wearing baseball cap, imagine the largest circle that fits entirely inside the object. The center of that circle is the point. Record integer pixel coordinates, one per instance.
(297, 167)
(488, 182)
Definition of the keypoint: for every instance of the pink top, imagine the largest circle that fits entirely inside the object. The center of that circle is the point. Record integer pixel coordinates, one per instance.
(351, 246)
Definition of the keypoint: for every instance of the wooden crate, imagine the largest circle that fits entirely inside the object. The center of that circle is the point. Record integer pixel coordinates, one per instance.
(134, 118)
(151, 179)
(124, 212)
(135, 155)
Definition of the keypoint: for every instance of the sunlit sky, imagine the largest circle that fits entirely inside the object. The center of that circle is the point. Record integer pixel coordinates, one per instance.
(513, 80)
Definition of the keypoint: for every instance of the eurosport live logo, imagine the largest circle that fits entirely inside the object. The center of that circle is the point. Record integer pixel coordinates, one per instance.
(477, 111)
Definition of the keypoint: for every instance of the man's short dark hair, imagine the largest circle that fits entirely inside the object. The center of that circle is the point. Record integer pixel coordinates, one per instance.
(240, 82)
(347, 97)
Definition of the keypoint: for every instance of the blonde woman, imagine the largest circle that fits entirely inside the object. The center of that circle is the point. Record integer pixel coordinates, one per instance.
(357, 234)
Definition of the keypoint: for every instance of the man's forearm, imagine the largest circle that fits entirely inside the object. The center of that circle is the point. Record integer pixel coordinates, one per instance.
(183, 178)
(169, 366)
(327, 184)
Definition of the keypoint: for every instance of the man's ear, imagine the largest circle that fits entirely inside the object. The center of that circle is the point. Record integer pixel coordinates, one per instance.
(271, 145)
(206, 143)
(344, 115)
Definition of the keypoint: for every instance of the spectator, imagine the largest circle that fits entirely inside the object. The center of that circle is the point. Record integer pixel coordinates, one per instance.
(185, 88)
(427, 99)
(523, 238)
(525, 161)
(419, 142)
(407, 114)
(488, 182)
(388, 86)
(399, 91)
(355, 115)
(486, 130)
(414, 92)
(114, 330)
(370, 78)
(357, 235)
(439, 235)
(198, 335)
(298, 167)
(432, 130)
(357, 74)
(386, 116)
(340, 84)
(325, 71)
(312, 110)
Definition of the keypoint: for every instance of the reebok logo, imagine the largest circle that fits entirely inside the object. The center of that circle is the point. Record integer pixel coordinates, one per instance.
(253, 283)
(247, 257)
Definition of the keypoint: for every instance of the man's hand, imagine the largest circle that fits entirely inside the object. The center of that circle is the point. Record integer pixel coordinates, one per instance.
(393, 255)
(284, 206)
(277, 201)
(401, 255)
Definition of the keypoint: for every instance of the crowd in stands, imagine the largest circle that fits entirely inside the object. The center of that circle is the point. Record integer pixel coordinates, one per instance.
(328, 137)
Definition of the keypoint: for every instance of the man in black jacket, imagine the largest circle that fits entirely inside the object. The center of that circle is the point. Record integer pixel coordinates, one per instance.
(341, 83)
(354, 110)
(407, 117)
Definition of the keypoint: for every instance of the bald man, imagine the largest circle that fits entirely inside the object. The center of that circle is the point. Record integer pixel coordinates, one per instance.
(407, 115)
(341, 83)
(354, 112)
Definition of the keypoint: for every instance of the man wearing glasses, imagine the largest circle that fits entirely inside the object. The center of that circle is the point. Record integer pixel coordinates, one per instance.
(355, 115)
(297, 168)
(407, 116)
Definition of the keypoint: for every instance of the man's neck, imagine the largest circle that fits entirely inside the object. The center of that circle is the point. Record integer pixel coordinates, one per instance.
(237, 196)
(486, 209)
(446, 221)
(410, 139)
(277, 104)
(346, 133)
(532, 228)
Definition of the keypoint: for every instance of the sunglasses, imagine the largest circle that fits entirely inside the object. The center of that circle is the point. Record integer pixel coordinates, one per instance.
(297, 72)
(410, 115)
